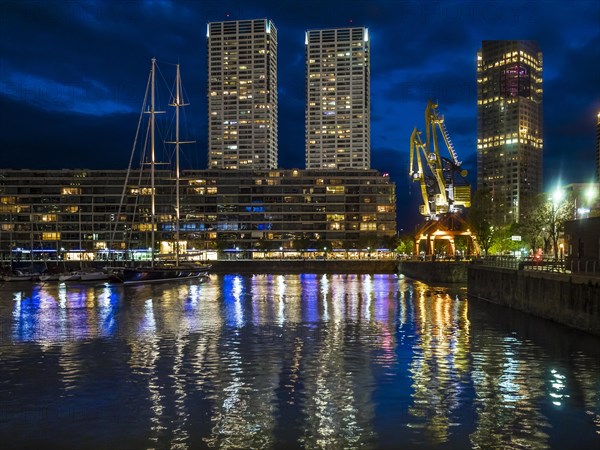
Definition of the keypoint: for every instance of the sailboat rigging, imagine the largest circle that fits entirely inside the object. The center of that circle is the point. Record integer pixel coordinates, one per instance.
(160, 271)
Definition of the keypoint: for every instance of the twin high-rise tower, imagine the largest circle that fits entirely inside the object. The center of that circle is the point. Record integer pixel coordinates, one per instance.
(242, 94)
(242, 107)
(337, 99)
(242, 97)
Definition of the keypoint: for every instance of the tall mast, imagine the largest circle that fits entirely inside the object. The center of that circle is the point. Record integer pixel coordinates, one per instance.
(80, 244)
(178, 102)
(153, 161)
(177, 106)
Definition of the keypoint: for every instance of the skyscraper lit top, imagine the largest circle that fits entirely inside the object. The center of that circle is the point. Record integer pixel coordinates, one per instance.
(509, 125)
(338, 99)
(598, 149)
(242, 94)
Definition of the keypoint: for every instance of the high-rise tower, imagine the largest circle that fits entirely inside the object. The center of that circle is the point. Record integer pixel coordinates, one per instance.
(509, 126)
(598, 149)
(242, 94)
(338, 99)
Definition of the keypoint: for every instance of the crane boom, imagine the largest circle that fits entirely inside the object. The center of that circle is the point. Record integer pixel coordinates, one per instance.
(416, 146)
(438, 188)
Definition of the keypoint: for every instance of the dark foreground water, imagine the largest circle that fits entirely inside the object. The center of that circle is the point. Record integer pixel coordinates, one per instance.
(295, 361)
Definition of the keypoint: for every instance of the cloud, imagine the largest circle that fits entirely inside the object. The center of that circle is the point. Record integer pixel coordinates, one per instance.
(88, 97)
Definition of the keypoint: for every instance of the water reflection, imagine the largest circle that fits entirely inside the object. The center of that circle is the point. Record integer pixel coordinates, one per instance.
(313, 361)
(509, 384)
(440, 365)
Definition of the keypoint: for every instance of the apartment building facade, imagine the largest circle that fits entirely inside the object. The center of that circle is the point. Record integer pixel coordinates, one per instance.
(509, 126)
(53, 211)
(338, 99)
(242, 94)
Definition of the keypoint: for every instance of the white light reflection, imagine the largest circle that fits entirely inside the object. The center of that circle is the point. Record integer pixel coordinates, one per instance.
(558, 384)
(439, 368)
(18, 297)
(338, 403)
(62, 295)
(237, 296)
(181, 434)
(144, 355)
(148, 325)
(194, 295)
(508, 384)
(324, 291)
(281, 299)
(106, 313)
(402, 302)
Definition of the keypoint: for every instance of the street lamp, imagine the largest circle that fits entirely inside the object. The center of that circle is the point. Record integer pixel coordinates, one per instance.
(557, 196)
(591, 193)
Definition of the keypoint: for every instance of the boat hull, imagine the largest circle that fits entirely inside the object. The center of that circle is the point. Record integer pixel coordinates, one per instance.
(49, 277)
(72, 276)
(93, 276)
(17, 277)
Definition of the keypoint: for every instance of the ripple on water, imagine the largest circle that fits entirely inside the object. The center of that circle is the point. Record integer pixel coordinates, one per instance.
(313, 361)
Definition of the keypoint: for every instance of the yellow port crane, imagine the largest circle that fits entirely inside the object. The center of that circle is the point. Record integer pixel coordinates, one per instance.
(442, 181)
(444, 189)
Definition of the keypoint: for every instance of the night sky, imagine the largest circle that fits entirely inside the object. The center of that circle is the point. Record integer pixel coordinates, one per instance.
(73, 75)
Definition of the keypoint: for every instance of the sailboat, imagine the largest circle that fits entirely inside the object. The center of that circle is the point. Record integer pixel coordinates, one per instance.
(161, 271)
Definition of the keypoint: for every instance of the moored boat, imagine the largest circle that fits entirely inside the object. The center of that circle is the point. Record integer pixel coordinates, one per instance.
(49, 277)
(93, 275)
(19, 275)
(131, 275)
(70, 276)
(156, 271)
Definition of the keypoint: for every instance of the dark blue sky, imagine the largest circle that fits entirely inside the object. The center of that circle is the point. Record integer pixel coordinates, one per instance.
(73, 74)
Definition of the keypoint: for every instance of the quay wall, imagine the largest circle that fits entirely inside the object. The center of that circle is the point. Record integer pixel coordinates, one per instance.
(435, 271)
(570, 299)
(304, 266)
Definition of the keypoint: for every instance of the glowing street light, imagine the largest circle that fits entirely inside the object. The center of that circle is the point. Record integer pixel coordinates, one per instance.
(556, 220)
(591, 193)
(558, 195)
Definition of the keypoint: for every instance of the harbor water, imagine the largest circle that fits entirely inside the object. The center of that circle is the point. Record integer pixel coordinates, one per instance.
(288, 361)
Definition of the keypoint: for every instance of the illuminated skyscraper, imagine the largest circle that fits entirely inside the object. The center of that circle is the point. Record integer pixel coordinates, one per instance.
(598, 149)
(242, 94)
(338, 99)
(509, 125)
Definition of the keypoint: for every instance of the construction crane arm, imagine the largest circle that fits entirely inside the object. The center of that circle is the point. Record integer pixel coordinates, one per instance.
(416, 145)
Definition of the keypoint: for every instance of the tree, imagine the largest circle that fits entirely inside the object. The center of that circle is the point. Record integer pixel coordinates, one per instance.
(557, 210)
(546, 219)
(531, 226)
(461, 244)
(502, 239)
(405, 244)
(478, 219)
